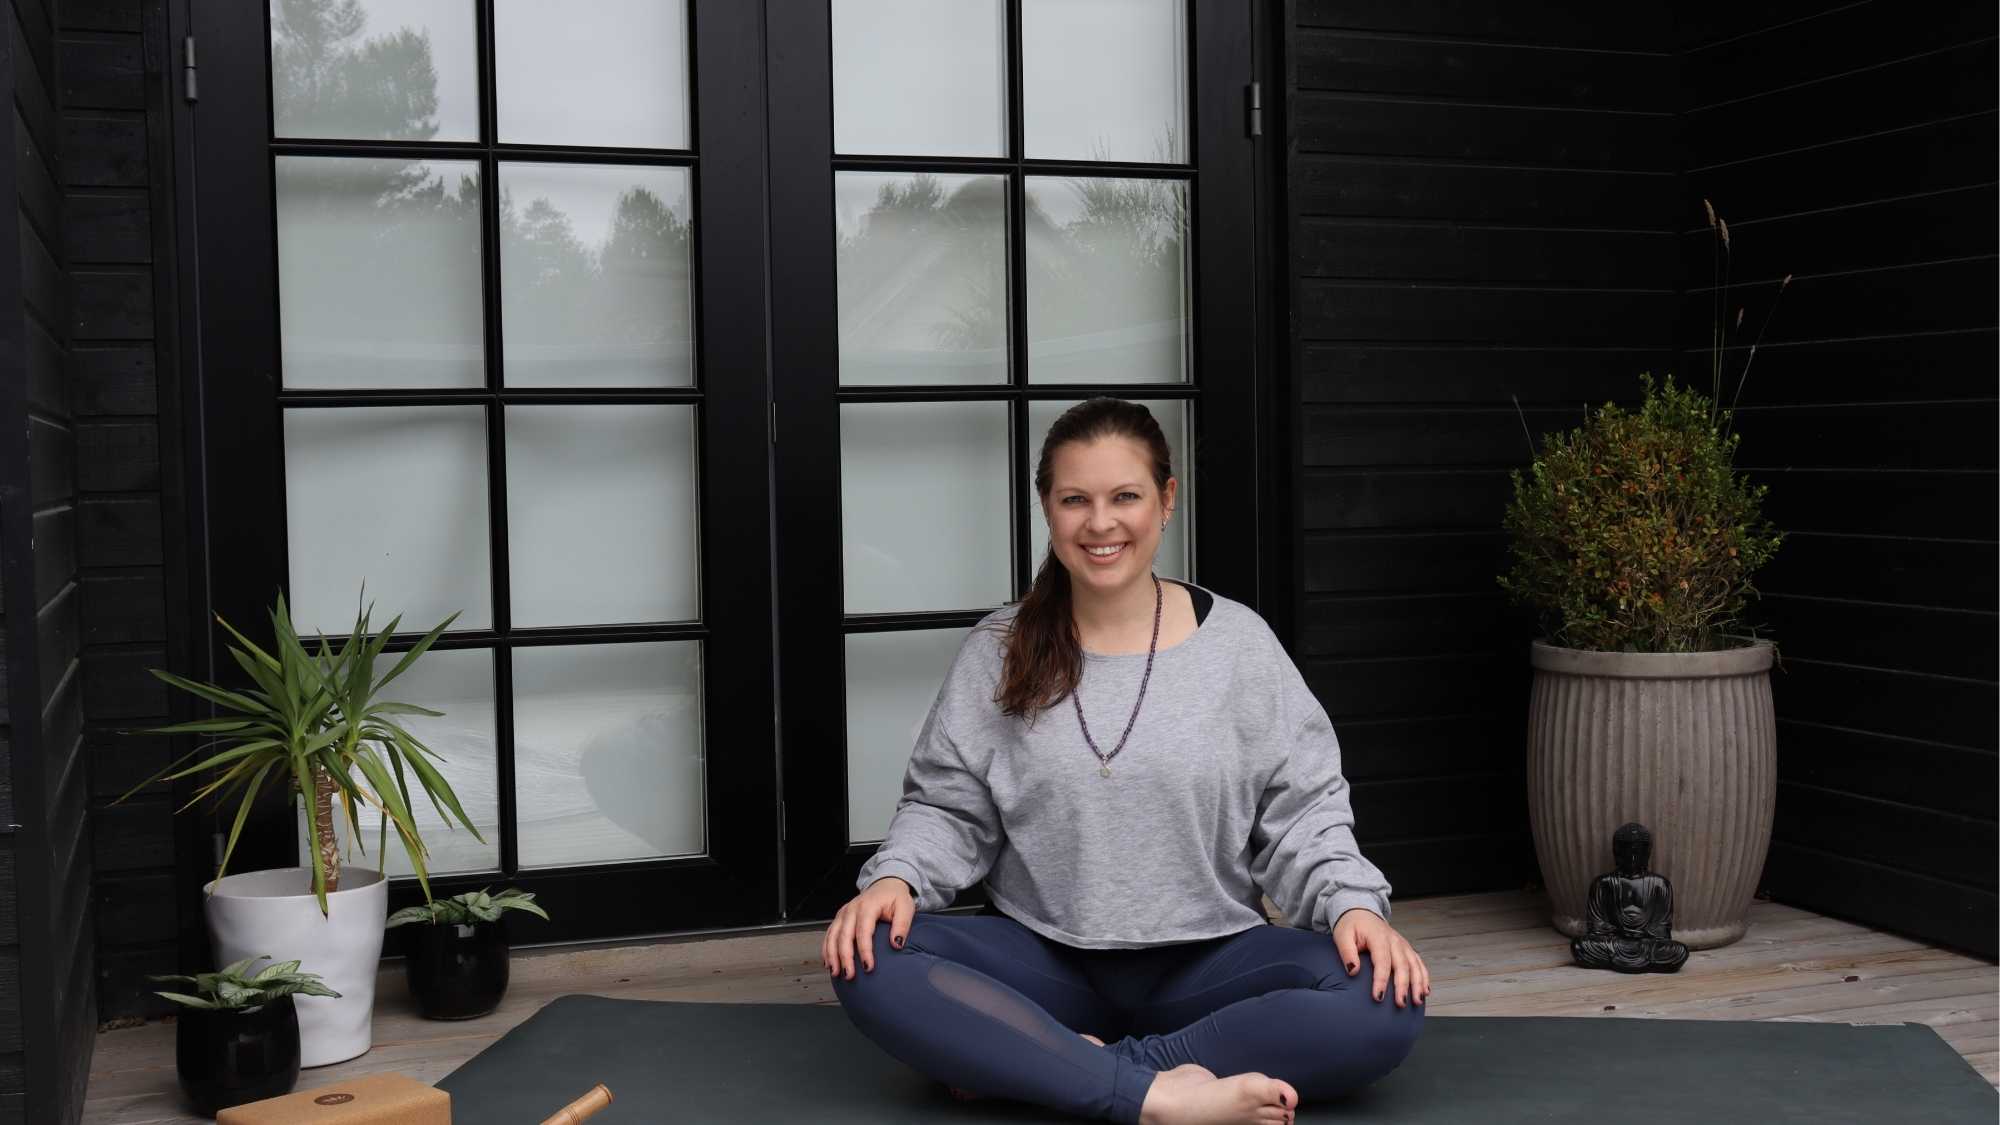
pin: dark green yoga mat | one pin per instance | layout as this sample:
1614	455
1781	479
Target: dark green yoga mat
668	1062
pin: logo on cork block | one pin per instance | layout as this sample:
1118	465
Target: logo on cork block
333	1099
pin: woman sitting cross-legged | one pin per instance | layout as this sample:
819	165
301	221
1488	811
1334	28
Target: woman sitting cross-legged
1126	763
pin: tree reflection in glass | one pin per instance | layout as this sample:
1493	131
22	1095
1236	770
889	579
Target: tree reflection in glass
378	272
1107	280
399	70
596	283
922	278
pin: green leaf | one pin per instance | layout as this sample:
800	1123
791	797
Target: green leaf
221	697
417	650
434	783
204	726
190	1001
242	813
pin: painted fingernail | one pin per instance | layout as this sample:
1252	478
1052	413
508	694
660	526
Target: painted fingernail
897	942
1283	1102
1351	966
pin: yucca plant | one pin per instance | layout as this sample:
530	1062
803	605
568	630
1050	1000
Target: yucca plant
472	906
314	724
234	987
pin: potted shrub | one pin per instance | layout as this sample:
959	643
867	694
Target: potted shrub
314	724
237	1038
1636	541
455	951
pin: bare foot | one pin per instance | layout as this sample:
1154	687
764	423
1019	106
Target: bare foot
1193	1095
969	1096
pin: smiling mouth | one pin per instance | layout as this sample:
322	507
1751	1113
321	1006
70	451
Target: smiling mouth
1108	554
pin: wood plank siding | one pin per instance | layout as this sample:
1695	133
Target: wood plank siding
1852	146
1490	208
47	977
119	221
1482	211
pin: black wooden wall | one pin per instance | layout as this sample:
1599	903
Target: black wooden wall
1482	202
117	177
1495	202
49	989
1853	146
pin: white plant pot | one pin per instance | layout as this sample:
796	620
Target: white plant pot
274	913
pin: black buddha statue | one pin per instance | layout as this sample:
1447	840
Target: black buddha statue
1631	913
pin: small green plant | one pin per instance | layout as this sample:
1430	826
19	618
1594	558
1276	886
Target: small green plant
315	725
472	906
1632	533
235	988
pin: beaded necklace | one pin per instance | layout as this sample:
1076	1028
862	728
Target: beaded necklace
1103	759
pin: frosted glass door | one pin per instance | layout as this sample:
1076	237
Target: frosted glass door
1011	198
492	403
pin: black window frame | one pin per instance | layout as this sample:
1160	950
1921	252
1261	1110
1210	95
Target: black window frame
1222	388
241	461
767	400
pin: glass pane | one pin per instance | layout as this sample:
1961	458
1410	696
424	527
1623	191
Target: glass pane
458	682
601	514
1104	80
923	506
892	679
595	276
1107	280
608	761
393	497
923	277
611	72
1173	559
375	70
922	77
378	273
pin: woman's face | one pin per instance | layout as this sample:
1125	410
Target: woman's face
1104	511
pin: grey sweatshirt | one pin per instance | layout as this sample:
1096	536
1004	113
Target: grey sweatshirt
1229	783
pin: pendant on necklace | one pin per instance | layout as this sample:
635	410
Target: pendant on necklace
1104	771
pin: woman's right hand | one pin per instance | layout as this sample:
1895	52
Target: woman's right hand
852	934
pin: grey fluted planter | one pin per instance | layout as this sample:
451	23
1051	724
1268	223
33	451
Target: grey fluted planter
1684	743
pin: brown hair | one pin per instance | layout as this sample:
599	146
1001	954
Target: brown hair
1044	658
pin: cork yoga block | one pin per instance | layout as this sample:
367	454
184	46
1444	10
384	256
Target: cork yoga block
373	1099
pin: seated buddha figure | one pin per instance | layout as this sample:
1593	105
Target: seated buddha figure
1630	917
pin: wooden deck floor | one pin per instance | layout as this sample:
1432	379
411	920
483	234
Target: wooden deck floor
1489	954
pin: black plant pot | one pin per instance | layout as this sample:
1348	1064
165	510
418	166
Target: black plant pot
230	1056
456	972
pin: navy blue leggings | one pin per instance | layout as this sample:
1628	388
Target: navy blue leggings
985	1004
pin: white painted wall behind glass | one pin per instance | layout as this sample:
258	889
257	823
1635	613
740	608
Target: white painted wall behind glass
1104	80
920	77
601	523
609	72
923	506
892	680
390	496
608	760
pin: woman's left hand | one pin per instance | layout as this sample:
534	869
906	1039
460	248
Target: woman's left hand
1396	962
